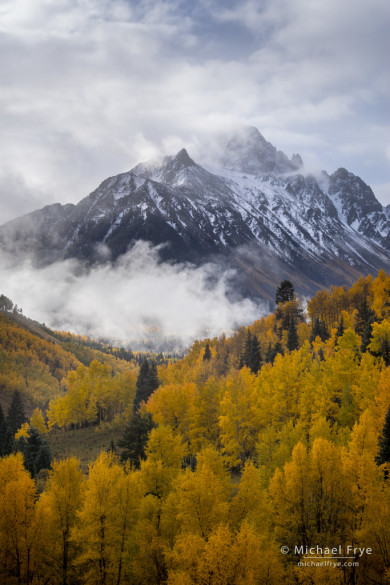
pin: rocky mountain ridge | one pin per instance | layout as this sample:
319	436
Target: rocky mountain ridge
255	213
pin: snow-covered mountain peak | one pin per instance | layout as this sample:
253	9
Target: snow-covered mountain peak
256	212
249	152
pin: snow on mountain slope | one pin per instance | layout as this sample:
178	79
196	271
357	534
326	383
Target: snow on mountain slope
256	213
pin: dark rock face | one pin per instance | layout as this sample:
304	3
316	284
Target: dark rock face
255	214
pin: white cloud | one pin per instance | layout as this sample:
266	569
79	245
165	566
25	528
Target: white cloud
91	88
137	300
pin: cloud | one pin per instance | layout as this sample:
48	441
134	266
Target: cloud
15	196
91	88
138	300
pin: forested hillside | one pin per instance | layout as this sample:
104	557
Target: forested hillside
258	459
30	364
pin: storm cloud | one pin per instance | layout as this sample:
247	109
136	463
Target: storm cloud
90	88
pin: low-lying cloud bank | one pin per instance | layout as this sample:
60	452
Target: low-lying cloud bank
138	301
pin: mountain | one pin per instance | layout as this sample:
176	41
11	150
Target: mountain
255	212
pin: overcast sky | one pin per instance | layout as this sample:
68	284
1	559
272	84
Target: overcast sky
89	88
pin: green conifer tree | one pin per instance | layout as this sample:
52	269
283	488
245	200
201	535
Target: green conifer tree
285	292
147	383
251	357
292	336
36	451
364	316
207	353
340	329
384	442
366	337
16	416
319	330
6	439
135	437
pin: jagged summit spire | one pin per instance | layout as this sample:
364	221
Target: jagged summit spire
183	160
249	152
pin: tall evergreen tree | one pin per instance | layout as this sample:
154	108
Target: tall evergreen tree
135	437
384	442
319	330
36	451
292	336
207	353
366	337
285	292
272	352
269	354
16	416
246	355
147	383
251	357
6	439
364	316
340	329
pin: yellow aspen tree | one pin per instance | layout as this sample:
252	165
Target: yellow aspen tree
21	524
99	530
366	382
165	452
360	464
237	423
202	501
290	495
156	527
23	431
183	560
38	421
257	559
374	532
330	494
150	544
170	405
380	340
60	502
380	290
249	503
204	415
217	564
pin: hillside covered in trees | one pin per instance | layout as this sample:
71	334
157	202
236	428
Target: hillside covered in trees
261	458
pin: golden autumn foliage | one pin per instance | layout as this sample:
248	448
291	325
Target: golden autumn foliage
30	364
238	466
93	394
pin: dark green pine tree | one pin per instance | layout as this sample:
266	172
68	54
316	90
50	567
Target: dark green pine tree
364	316
246	355
255	362
385	350
269	354
251	357
278	348
153	382
36	451
366	337
207	353
292	336
384	442
319	330
147	383
16	416
6	439
272	352
135	437
340	329
285	292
